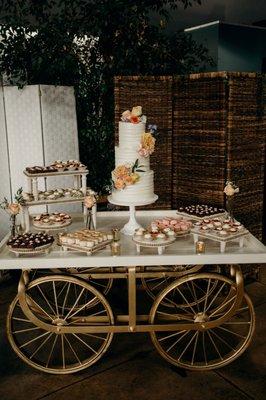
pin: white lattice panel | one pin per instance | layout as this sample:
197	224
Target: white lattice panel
60	134
23	120
41	127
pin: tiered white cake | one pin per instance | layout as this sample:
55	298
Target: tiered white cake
127	154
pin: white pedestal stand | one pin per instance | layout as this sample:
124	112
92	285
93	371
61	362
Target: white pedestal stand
130	227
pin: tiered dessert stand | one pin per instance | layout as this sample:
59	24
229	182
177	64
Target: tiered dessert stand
33	179
131	226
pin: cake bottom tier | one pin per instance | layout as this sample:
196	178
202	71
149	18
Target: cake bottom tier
143	190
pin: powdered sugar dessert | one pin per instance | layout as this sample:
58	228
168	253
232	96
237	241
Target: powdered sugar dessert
133	180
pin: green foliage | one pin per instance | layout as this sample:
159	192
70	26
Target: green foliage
86	43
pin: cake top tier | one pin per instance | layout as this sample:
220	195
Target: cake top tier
134	116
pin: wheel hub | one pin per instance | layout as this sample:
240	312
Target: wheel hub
201	317
59	322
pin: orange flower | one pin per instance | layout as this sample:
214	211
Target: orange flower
13	208
134	119
128	180
119	184
121	171
89	201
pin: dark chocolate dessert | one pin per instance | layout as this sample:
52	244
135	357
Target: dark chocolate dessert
30	240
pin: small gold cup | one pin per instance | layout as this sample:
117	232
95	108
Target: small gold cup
116	248
116	234
200	247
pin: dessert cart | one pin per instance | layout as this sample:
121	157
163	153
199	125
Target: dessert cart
200	318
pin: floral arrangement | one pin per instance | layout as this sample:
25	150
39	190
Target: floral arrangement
126	175
230	189
134	116
90	199
147	144
13	209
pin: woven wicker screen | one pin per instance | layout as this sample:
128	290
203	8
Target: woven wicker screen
212	128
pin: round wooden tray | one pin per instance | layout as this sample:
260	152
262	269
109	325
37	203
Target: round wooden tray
31	252
51	227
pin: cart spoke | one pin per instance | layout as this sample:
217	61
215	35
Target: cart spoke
66	296
177	341
39	307
34	340
222	306
76	302
94	282
63	351
73	351
95	336
183	296
204	348
169	336
222	340
177	306
55	300
207	295
214	345
215	296
177	316
22	320
46	300
41	345
232	332
187	346
61	291
194	348
85	344
26	330
51	351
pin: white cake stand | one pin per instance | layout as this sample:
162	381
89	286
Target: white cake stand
132	224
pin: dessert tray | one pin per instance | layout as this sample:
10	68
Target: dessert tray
220	230
56	167
52	221
200	211
30	244
159	244
85	240
52	195
179	225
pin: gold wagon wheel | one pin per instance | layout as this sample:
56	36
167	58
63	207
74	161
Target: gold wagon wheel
103	285
202	349
155	285
58	353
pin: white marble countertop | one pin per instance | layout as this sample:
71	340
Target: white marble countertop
182	252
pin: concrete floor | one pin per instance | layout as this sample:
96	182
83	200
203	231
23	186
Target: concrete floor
132	369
